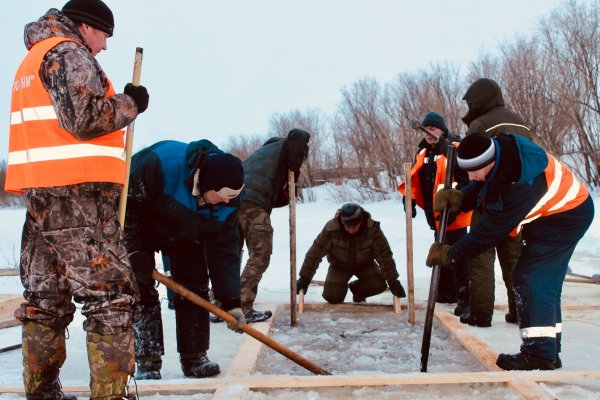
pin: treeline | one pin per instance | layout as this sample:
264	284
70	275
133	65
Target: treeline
550	77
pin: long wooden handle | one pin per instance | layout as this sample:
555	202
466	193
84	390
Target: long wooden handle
137	72
194	298
409	243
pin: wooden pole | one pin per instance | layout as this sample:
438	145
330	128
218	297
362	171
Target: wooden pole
137	72
301	302
225	316
292	195
435	273
409	243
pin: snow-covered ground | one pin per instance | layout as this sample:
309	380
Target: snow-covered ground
581	330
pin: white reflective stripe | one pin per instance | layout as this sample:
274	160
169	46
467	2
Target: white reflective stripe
32	114
559	328
571	194
552	190
538	331
506	124
64	153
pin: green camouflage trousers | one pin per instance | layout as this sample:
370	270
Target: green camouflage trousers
257	231
481	274
72	248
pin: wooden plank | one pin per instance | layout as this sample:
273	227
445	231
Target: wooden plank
527	389
8	305
318	381
244	361
9	323
9	272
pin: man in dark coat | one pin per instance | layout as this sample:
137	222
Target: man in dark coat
182	201
488	114
265	188
355	246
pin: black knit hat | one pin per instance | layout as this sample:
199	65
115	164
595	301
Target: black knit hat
92	12
475	152
220	171
351	214
436	120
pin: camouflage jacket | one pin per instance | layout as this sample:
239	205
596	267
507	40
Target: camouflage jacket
76	82
350	251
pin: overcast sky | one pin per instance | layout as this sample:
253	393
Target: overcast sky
220	68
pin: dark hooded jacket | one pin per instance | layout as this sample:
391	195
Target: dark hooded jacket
487	113
76	82
266	170
350	252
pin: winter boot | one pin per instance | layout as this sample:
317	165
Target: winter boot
112	363
257	316
523	362
461	309
475	319
557	362
148	368
44	353
511	317
357	297
214	319
198	365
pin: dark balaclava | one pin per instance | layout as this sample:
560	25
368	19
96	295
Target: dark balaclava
92	12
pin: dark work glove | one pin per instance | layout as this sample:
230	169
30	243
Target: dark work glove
451	198
396	288
439	254
414	206
142	264
139	95
302	284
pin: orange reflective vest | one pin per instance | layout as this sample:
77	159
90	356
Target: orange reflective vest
40	152
463	219
565	192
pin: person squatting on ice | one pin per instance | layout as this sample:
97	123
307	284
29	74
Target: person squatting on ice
518	186
355	246
427	175
66	154
183	201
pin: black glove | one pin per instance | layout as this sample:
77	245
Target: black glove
396	288
451	198
142	264
139	95
439	254
302	284
414	206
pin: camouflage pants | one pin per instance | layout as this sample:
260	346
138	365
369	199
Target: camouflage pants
257	231
72	249
481	273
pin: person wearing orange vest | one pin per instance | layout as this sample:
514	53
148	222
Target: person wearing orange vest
518	186
67	156
427	176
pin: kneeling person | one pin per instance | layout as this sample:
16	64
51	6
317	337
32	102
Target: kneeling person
355	246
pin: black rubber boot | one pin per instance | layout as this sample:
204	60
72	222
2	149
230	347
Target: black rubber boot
557	362
461	309
474	319
511	317
523	362
198	366
148	369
